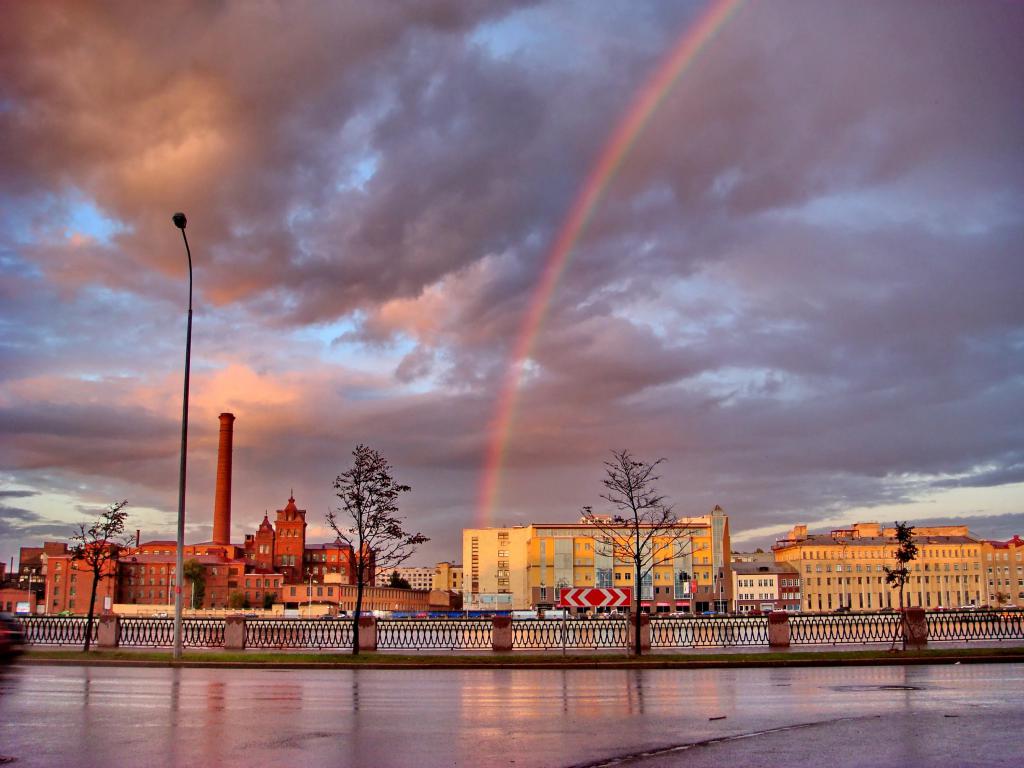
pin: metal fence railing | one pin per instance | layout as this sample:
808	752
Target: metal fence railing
56	630
195	633
549	633
965	626
148	632
536	634
709	632
417	634
298	633
835	629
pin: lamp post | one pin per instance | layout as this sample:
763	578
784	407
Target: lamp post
180	221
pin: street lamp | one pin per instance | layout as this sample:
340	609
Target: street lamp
180	221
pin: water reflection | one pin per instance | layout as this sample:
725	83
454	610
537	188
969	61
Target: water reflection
636	689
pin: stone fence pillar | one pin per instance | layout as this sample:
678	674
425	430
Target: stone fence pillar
367	633
778	629
915	627
501	633
645	632
234	633
108	633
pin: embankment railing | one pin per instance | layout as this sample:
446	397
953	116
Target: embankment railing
772	631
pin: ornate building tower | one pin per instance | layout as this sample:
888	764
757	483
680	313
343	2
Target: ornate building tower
290	541
263	549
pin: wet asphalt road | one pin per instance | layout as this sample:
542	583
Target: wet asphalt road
898	716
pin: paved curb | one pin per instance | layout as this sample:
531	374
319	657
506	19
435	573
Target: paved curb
893	660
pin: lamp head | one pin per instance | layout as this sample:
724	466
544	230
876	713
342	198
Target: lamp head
179	220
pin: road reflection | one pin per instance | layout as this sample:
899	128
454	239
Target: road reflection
432	717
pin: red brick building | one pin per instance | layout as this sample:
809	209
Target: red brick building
148	579
259	548
281	547
69	583
262	589
322	559
284	542
14	600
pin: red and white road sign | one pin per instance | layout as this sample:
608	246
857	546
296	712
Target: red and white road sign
595	597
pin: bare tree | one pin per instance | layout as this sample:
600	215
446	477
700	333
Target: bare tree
642	529
906	551
97	547
367	520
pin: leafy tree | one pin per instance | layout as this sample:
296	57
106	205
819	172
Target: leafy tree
97	547
398	582
1002	598
268	600
237	599
367	520
906	552
642	529
194	571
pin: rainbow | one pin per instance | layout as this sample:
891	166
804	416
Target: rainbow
644	105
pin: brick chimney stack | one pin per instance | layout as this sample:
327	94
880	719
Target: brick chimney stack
222	498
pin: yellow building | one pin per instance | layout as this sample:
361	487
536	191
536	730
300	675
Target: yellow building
524	567
844	569
1003	563
447	577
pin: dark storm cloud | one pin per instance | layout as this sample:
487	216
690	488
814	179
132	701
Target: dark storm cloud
22	525
801	287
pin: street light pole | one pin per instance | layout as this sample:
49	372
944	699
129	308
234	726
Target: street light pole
180	221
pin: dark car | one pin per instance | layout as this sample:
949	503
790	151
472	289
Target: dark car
12	640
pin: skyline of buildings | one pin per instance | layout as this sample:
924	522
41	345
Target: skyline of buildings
523	567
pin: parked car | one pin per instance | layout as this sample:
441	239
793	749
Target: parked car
12	640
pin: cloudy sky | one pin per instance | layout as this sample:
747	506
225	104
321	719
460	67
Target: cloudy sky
802	287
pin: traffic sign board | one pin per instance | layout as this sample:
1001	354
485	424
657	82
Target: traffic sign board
595	597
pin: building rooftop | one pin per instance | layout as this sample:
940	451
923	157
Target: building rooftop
1016	541
202	559
828	540
752	569
336	544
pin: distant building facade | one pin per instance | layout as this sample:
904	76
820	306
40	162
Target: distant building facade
1003	562
765	587
447	576
69	583
525	567
419	577
845	568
